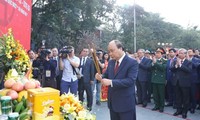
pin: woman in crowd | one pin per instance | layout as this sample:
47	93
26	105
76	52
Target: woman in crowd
104	89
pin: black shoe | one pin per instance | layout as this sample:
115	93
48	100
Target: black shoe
184	115
168	104
177	113
144	105
174	106
139	103
198	108
98	103
192	111
155	108
89	108
161	110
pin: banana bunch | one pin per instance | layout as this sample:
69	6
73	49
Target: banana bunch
22	108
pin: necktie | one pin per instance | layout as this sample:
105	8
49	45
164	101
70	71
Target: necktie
57	65
116	67
171	62
83	61
181	62
140	60
82	64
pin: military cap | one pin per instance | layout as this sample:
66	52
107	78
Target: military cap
147	51
161	50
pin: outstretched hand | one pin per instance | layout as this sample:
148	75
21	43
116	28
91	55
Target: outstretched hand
98	76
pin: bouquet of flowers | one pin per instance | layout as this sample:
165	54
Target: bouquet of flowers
12	55
72	109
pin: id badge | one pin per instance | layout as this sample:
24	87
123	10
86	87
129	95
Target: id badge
48	73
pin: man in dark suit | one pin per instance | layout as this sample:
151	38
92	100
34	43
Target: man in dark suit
142	78
87	77
194	78
149	85
120	76
182	68
169	76
58	71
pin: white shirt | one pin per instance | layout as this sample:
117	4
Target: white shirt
68	73
120	60
83	59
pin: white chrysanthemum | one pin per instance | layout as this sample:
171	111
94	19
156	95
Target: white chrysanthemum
82	113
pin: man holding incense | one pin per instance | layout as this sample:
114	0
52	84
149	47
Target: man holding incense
120	76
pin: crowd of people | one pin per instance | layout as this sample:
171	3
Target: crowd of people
171	79
63	70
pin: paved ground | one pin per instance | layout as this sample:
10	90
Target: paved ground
102	113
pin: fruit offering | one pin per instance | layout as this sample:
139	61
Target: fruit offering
21	107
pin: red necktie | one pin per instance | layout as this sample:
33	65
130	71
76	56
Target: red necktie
116	67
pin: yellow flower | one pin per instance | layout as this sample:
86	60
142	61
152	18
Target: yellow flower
9	56
71	106
14	55
13	45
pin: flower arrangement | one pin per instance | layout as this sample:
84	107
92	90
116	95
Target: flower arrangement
72	109
12	55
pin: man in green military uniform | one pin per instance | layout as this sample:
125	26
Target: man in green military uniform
158	79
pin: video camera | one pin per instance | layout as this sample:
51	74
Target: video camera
44	53
99	52
65	51
38	64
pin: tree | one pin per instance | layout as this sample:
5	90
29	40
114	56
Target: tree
151	29
64	22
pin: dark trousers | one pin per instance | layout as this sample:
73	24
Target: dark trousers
198	94
130	115
66	86
159	95
50	82
170	93
149	90
58	80
182	98
88	88
194	91
142	91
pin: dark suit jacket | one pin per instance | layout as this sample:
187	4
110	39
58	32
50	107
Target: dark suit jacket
169	74
144	68
88	70
194	74
182	74
121	96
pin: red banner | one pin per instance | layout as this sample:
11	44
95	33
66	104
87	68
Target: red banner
16	14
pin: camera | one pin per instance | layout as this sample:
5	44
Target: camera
65	51
38	64
44	53
99	52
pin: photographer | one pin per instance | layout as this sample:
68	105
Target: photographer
68	63
45	69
